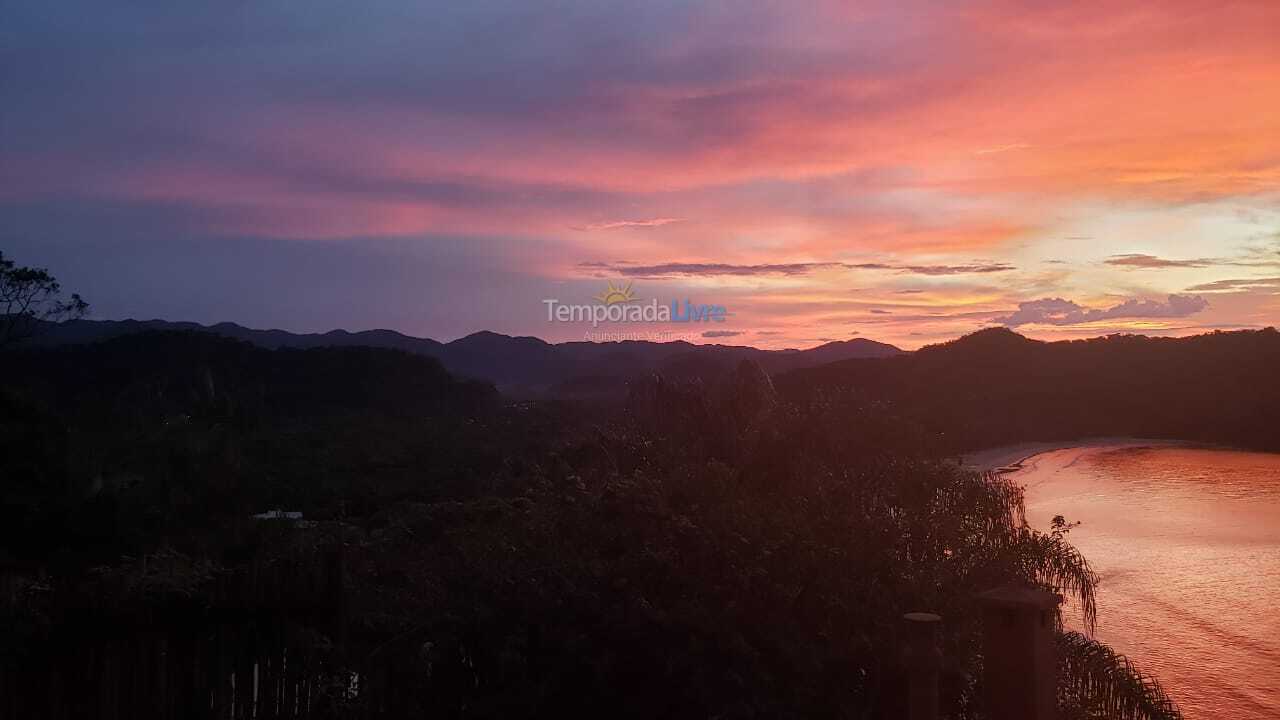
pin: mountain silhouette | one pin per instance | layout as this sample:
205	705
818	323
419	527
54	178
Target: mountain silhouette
995	387
513	364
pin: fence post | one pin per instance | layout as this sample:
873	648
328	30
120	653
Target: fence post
1019	665
923	660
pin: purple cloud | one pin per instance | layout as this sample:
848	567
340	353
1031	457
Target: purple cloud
1137	260
1057	311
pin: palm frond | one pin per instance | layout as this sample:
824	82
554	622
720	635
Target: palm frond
1095	682
1052	561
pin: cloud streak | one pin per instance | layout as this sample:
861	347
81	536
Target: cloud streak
619	224
1001	149
1238	285
669	270
1152	262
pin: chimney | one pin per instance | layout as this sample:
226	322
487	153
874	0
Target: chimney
1019	666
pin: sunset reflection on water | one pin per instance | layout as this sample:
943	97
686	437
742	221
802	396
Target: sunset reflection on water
1187	542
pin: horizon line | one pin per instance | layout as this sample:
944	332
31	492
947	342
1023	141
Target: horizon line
1207	331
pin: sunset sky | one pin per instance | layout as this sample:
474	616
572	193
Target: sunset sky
900	171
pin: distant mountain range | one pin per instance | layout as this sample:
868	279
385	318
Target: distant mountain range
989	388
511	363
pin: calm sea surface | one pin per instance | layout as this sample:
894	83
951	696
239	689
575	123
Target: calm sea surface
1188	545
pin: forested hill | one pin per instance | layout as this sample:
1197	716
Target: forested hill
156	374
179	431
995	387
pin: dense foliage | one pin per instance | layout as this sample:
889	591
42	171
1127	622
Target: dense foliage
708	550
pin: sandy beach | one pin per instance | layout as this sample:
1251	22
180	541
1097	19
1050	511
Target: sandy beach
1011	457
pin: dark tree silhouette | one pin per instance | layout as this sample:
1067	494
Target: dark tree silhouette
31	296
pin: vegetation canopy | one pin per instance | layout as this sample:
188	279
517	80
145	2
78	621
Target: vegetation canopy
441	551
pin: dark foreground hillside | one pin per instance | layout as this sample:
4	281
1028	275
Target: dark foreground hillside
705	551
996	387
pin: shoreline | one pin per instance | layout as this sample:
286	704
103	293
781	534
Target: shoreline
1010	458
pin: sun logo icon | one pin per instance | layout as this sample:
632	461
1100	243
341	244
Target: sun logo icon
616	294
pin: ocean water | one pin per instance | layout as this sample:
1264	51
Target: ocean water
1187	542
